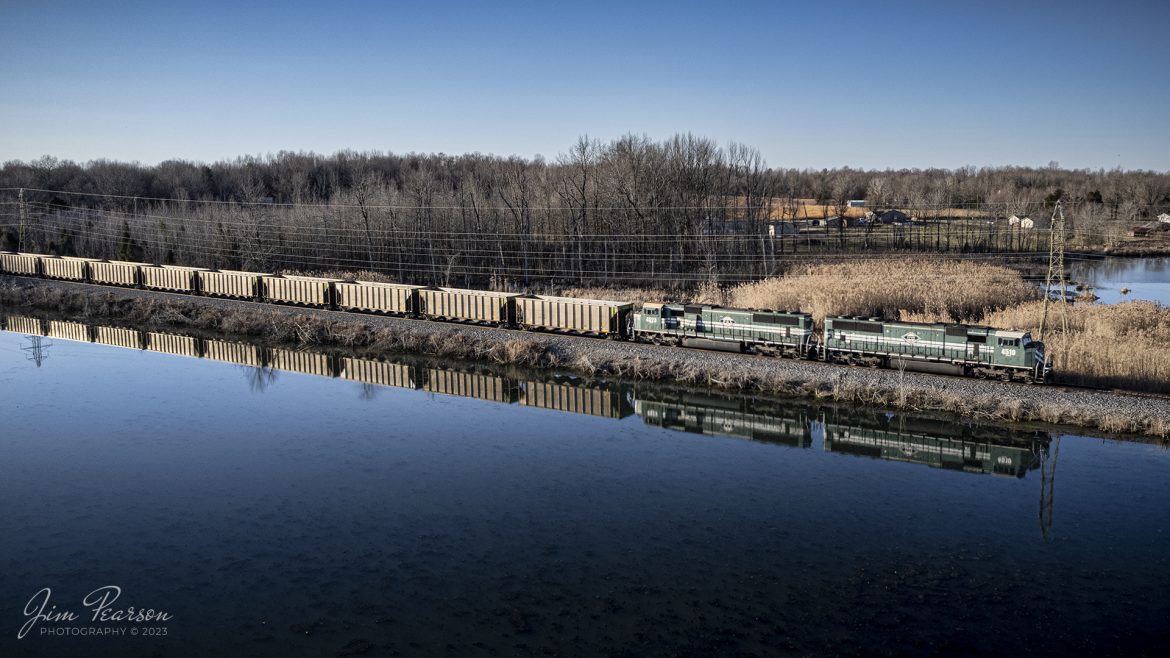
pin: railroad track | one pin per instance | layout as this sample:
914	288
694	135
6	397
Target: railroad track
448	324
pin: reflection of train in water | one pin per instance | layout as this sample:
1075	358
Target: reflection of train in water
737	417
568	394
940	444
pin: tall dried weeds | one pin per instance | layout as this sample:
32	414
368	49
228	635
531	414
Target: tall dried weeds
1115	345
943	290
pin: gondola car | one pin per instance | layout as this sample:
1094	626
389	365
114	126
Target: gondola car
461	305
66	268
20	264
586	316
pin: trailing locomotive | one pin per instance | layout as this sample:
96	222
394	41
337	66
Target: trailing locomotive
953	349
703	325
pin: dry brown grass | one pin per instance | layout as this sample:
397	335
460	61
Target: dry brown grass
1117	345
345	275
638	296
938	290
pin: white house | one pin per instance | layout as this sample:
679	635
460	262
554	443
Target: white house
1164	218
782	229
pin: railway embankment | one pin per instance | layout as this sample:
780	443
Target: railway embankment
369	335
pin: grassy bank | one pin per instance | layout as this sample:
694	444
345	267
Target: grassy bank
373	338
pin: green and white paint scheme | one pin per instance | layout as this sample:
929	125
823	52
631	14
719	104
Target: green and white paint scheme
972	348
1001	457
769	330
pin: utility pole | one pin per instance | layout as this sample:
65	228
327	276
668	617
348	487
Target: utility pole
1055	271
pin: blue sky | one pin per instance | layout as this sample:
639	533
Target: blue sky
867	84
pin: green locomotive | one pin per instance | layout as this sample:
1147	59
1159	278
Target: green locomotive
954	349
704	325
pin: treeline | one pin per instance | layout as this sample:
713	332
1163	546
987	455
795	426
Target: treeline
631	210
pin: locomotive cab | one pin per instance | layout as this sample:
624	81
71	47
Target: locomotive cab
1035	355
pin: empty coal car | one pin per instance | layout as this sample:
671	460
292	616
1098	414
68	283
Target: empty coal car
586	316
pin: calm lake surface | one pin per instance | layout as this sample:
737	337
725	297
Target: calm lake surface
284	514
1146	278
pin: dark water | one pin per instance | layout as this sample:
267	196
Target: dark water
1145	278
276	513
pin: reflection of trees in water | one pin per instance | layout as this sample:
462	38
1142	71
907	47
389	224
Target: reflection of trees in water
259	379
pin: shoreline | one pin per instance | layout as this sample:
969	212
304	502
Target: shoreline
374	336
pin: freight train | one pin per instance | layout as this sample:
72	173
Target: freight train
948	348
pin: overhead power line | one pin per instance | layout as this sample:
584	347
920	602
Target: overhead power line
645	205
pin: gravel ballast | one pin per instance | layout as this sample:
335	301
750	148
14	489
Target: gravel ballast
1109	411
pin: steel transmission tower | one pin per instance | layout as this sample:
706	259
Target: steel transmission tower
1055	271
20	246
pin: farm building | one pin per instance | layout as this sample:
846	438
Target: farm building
1164	218
857	203
889	217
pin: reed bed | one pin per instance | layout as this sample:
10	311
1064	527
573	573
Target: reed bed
945	290
1114	345
638	296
